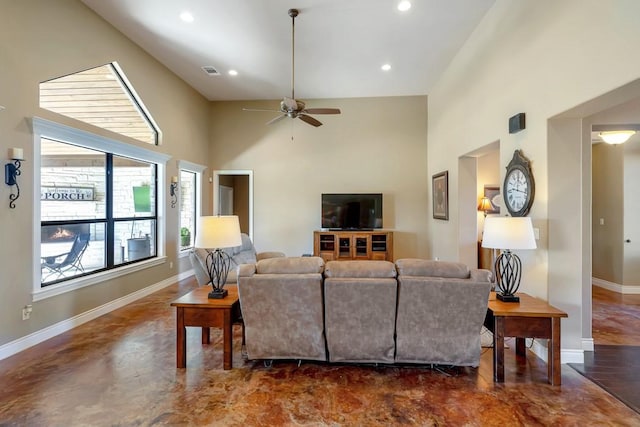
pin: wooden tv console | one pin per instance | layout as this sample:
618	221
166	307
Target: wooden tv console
353	245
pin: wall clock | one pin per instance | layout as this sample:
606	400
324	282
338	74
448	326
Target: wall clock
519	186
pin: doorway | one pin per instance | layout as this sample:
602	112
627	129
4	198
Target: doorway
233	195
477	169
570	222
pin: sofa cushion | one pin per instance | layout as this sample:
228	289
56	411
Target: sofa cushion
430	268
245	246
360	269
290	265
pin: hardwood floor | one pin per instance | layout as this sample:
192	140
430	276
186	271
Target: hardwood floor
615	363
120	370
616	318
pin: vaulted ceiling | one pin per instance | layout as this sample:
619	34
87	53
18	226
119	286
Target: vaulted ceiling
340	45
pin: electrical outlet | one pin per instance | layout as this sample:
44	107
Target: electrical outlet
26	312
171	264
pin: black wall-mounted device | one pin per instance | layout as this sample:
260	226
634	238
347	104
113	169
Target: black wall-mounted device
516	123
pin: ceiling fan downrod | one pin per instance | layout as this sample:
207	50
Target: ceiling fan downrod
293	13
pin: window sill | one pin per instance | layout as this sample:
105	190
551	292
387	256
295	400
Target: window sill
82	282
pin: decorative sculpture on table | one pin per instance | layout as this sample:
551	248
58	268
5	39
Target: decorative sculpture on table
214	233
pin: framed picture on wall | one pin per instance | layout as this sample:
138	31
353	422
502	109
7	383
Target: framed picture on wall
492	192
440	191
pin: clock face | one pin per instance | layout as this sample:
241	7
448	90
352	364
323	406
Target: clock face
516	190
519	187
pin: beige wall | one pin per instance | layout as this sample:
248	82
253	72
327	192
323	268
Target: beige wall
375	145
541	58
42	39
241	200
608	206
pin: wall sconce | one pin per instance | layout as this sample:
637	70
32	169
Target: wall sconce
12	172
173	190
485	205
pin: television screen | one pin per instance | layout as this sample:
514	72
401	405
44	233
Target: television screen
352	211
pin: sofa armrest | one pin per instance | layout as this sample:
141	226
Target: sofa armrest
481	275
270	254
197	258
246	270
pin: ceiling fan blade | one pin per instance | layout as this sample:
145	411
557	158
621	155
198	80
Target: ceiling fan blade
277	119
259	109
322	110
310	120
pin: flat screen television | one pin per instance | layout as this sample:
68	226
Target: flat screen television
352	211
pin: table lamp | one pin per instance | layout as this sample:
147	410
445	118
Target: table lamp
213	233
507	233
485	205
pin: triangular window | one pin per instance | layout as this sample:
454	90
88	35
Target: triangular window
102	97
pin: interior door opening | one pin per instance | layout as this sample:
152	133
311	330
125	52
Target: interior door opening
233	195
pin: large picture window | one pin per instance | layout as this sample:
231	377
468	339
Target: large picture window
98	203
102	97
98	210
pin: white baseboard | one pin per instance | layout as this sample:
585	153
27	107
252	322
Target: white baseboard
588	344
616	287
13	347
566	355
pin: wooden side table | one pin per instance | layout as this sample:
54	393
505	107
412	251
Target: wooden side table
195	309
530	318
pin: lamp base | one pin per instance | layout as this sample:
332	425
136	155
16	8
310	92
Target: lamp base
218	294
507	298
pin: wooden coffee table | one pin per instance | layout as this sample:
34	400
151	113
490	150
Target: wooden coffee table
530	318
195	309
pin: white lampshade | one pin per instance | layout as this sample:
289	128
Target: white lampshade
616	136
507	232
215	232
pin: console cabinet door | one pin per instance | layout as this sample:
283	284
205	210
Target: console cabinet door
358	245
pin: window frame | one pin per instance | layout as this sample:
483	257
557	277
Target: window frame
198	170
43	128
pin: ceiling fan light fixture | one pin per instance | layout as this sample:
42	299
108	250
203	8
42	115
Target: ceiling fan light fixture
404	5
290	106
616	136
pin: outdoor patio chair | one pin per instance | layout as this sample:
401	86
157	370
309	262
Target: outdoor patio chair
57	265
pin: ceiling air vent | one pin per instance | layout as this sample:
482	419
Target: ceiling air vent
210	70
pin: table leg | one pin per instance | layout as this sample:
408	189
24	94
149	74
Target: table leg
498	349
181	339
227	338
521	349
553	354
206	336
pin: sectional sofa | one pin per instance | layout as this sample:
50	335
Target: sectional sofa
414	311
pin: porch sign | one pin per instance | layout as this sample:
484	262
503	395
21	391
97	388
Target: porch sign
67	194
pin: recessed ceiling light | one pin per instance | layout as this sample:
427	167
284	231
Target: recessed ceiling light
404	5
186	16
233	73
386	67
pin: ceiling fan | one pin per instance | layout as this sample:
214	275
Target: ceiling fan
291	107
